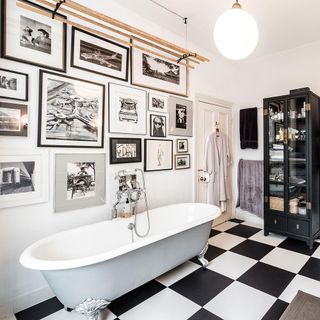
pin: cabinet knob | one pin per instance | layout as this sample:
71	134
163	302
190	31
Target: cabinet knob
298	226
275	221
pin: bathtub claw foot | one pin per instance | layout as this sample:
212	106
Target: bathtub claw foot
201	257
91	308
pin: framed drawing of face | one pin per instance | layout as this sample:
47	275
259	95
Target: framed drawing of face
180	117
158	125
182	145
95	54
13	85
32	38
182	161
127	109
123	150
71	112
158	102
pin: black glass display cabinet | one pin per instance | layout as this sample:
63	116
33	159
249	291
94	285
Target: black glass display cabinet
292	165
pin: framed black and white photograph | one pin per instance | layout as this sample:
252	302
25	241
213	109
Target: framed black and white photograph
158	102
71	112
182	145
125	150
32	38
158	154
95	54
180	117
182	161
158	125
22	180
127	109
79	181
13	85
13	119
150	71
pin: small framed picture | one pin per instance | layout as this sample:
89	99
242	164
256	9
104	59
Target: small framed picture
71	112
95	54
182	145
23	179
123	150
158	125
127	109
13	85
32	38
13	119
182	161
180	116
158	154
79	181
158	102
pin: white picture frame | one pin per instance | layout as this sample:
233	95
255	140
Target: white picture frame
13	85
157	102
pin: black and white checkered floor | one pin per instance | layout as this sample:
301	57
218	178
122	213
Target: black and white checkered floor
249	277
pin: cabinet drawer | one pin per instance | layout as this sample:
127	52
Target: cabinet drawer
299	227
276	222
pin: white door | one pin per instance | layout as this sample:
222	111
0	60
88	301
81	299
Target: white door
208	113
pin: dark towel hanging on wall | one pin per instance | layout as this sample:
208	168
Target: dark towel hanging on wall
248	128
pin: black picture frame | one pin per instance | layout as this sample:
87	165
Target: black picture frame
124	141
26	85
4	53
158	132
74	65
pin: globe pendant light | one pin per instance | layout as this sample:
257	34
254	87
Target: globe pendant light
236	33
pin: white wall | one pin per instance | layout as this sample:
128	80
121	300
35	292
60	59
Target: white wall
21	226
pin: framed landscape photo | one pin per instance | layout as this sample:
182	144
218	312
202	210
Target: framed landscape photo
158	125
182	145
23	179
150	71
180	117
158	102
32	38
13	85
71	112
127	109
123	150
13	119
79	181
95	54
182	161
157	154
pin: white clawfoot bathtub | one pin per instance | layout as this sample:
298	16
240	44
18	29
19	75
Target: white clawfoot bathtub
90	266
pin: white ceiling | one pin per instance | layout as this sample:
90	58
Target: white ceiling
283	24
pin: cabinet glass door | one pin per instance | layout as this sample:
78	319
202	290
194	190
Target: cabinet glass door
297	162
276	155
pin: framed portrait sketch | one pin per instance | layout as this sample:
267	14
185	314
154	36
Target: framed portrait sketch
157	154
180	117
182	161
13	85
79	181
23	178
158	125
71	112
150	71
127	109
13	119
158	102
123	150
95	54
32	38
182	145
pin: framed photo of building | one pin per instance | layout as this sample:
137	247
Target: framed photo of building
158	102
182	145
150	71
158	154
123	150
71	112
79	181
32	38
13	119
180	117
22	178
95	54
127	109
182	161
158	125
13	85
